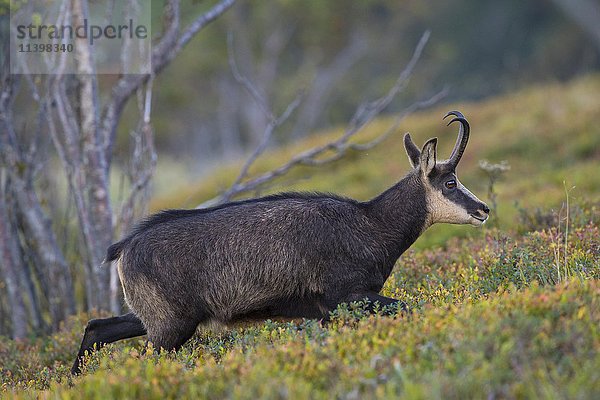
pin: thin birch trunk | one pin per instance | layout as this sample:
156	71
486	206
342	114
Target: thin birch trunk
9	271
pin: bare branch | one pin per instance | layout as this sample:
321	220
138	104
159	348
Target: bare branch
11	155
162	54
71	154
274	121
202	21
143	159
41	238
317	156
141	170
399	118
325	81
367	111
245	82
10	265
227	195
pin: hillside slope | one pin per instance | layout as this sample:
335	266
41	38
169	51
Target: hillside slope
547	134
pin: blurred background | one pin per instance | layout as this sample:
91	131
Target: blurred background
342	53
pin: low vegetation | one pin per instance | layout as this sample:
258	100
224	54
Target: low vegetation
492	316
513	310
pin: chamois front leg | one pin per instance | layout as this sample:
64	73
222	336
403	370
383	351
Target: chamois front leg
378	302
100	332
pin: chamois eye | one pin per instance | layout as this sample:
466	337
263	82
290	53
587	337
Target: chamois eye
451	184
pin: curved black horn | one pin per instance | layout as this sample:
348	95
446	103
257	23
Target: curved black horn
463	137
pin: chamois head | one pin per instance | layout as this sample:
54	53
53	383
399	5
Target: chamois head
447	199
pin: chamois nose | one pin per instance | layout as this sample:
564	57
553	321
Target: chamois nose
486	209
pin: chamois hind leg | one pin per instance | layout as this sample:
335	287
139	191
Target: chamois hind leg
172	335
99	332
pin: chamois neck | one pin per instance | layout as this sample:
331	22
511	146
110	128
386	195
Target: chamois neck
400	213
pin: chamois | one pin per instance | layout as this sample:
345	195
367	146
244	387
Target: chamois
285	255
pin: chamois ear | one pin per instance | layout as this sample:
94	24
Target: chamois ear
428	156
412	150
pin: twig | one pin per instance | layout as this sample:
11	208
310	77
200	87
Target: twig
367	111
364	114
324	82
203	20
245	82
274	121
140	172
162	54
399	118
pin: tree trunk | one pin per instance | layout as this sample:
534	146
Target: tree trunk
83	137
97	207
37	230
9	270
42	241
26	274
